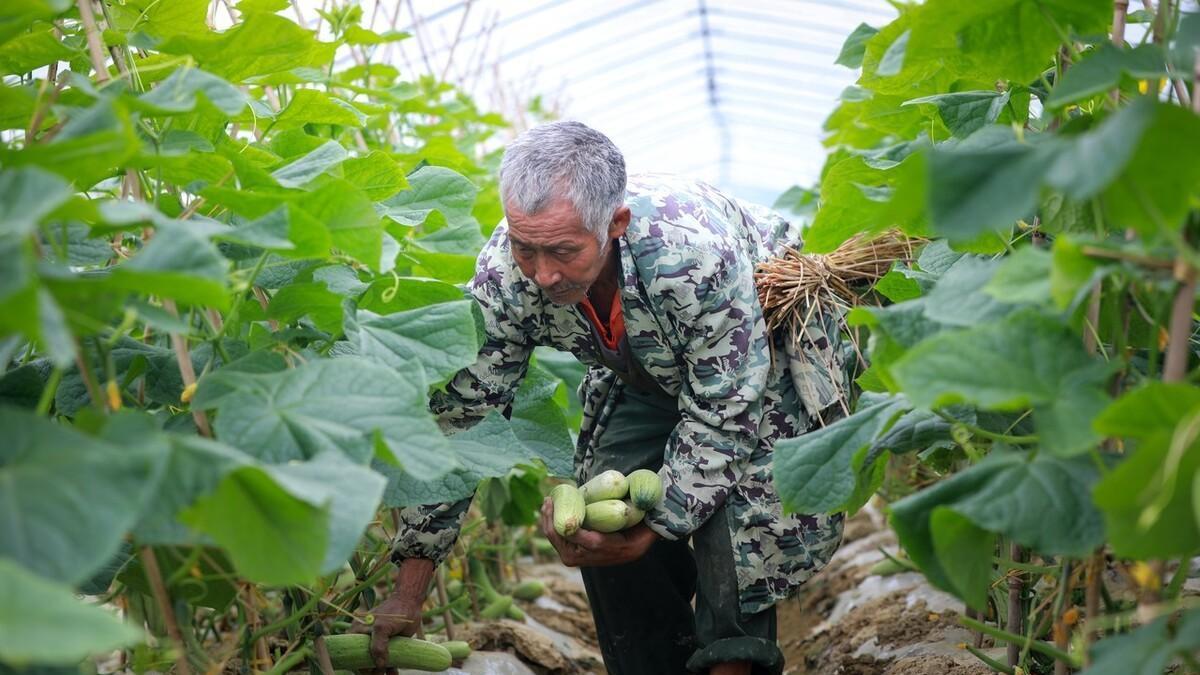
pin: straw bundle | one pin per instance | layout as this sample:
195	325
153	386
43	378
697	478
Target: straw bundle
795	285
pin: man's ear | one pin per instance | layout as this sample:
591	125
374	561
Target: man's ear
620	222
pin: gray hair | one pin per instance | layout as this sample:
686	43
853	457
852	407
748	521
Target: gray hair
565	159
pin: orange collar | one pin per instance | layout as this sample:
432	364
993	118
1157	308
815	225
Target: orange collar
611	331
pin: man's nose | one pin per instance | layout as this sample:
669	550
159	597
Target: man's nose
546	277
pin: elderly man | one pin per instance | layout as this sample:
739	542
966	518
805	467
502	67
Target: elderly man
651	284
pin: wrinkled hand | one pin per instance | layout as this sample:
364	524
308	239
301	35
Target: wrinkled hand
596	549
397	615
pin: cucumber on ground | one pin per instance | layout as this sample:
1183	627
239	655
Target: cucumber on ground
529	590
352	652
610	484
497	608
645	489
608	515
568	509
458	649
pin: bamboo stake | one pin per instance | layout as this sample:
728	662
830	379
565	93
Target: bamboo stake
95	45
159	589
1180	329
1016	589
186	370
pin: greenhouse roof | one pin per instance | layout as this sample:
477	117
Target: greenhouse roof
730	92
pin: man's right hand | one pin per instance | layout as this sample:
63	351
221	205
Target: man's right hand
392	617
400	614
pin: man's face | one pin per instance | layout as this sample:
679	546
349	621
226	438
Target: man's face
556	251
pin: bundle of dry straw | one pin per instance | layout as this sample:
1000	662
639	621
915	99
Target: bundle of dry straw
794	286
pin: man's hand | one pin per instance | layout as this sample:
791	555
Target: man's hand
596	549
400	614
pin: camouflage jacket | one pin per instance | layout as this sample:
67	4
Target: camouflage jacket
695	325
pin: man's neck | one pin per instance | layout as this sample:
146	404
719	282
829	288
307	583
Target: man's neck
608	281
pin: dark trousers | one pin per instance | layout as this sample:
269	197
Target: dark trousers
643	609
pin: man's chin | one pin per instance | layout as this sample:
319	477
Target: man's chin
567	298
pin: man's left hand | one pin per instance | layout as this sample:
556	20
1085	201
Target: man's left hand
586	548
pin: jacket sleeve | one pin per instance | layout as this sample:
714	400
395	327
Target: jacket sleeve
709	300
429	531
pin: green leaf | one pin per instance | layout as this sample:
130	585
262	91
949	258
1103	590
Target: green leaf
1150	410
981	189
271	536
41	622
357	35
438	340
181	263
309	106
17	15
68	498
89	147
386	296
1186	40
813	473
893	57
351	491
896	287
966	112
538	422
488	449
16	106
1043	503
1157	186
1026	359
27	195
181	92
160	19
348	215
1147	499
346	404
32	51
1148	650
958	298
260	45
855	46
433	188
302	171
966	552
1023	277
1103	68
307	299
377	174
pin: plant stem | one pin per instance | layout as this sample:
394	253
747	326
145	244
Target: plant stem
1095	567
47	397
1012	638
323	661
159	589
1016	588
1062	632
984	433
443	599
1180	328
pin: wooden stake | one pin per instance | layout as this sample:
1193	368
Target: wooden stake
1016	618
95	45
444	601
159	589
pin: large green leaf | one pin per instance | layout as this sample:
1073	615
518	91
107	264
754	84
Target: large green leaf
42	622
1149	649
348	404
351	492
813	472
1043	503
161	19
1026	359
26	196
17	15
376	174
69	499
855	46
309	106
538	421
1103	70
180	262
349	217
1148	499
182	90
271	536
260	45
32	51
433	188
90	146
965	112
438	340
966	551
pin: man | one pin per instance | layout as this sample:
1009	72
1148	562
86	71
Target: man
650	284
